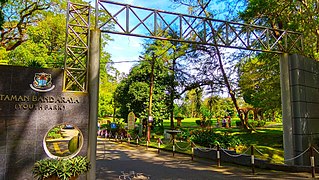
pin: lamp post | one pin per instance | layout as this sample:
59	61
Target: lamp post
172	93
150	118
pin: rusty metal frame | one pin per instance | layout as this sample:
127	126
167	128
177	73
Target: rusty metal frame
154	23
77	48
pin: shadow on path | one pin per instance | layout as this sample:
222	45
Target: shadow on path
114	158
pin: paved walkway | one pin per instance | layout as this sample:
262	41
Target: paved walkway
114	158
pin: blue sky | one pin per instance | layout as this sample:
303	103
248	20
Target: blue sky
126	48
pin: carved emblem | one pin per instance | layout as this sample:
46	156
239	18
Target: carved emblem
42	82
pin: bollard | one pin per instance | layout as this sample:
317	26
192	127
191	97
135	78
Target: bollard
173	147
121	139
146	145
312	161
129	140
252	159
158	145
192	151
137	142
218	156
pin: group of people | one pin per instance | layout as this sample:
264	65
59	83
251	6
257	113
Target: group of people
116	133
226	122
103	132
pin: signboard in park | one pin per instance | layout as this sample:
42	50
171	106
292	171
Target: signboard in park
131	120
113	126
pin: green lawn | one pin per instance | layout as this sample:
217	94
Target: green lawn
267	140
187	122
191	122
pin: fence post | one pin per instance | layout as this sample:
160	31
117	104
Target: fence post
146	145
192	150
252	159
312	161
129	140
173	147
158	145
218	155
137	141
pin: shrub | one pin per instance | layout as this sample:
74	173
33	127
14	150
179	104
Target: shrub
61	168
238	123
259	123
185	134
208	123
54	133
209	138
198	122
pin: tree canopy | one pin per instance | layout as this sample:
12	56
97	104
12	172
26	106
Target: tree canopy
300	16
33	33
259	75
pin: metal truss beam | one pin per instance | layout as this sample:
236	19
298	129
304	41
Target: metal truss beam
77	48
150	23
124	19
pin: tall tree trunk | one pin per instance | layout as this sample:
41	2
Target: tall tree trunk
230	91
221	65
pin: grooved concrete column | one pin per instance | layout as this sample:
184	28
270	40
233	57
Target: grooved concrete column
94	75
286	108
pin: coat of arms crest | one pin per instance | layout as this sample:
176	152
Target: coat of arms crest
42	82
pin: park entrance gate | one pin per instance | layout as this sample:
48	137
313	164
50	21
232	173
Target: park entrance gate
81	70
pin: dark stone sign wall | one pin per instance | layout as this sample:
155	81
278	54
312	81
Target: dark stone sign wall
27	115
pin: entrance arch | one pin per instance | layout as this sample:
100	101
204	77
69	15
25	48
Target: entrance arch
215	33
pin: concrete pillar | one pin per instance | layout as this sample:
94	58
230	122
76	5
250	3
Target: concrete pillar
94	75
286	108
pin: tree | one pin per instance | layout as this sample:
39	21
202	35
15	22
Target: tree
132	93
263	69
190	100
2	2
108	84
45	44
259	82
33	33
19	16
220	107
212	53
300	16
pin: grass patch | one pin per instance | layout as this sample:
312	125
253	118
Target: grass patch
191	122
267	140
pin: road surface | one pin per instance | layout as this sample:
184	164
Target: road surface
115	159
